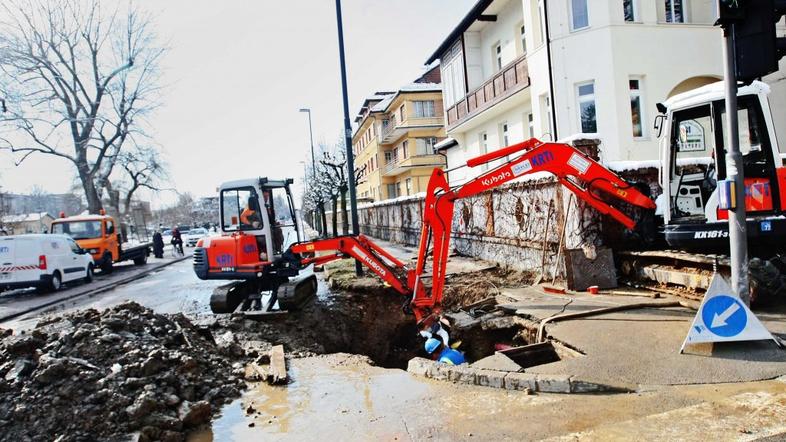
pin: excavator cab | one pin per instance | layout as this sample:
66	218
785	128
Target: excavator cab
693	149
263	209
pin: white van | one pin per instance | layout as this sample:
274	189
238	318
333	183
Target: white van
42	261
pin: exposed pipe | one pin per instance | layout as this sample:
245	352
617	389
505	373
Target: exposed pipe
604	310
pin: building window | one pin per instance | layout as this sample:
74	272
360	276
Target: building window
408	185
586	93
424	109
505	141
392	190
629	9
531	125
401	114
425	146
484	149
674	11
547	115
636	108
498	56
404	149
523	38
388	157
541	22
579	14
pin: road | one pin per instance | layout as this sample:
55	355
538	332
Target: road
172	289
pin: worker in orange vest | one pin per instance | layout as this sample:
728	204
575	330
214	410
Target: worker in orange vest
249	216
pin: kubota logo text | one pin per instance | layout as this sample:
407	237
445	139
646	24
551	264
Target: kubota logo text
371	263
503	175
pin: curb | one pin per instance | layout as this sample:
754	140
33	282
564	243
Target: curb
95	291
513	381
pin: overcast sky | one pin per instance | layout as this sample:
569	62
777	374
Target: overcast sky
237	73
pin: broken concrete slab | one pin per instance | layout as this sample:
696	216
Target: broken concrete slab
419	366
462	374
554	384
278	365
498	362
490	378
579	385
521	382
514	381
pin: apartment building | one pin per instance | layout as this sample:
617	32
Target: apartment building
394	143
514	69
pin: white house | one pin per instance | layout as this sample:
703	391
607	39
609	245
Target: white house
513	69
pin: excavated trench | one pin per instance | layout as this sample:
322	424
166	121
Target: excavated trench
374	324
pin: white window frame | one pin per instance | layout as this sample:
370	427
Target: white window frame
408	186
586	98
635	6
504	134
572	16
642	114
421	108
531	124
523	38
497	53
684	11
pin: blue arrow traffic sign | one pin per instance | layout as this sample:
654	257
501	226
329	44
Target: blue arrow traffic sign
724	315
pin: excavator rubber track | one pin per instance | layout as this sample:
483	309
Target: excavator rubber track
247	298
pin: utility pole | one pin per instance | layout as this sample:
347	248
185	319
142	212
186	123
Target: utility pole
353	203
738	239
313	161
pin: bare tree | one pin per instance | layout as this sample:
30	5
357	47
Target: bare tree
139	168
79	82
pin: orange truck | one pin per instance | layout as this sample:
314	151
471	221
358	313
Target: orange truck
103	238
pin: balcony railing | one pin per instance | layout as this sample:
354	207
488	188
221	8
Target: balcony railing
511	79
395	129
397	166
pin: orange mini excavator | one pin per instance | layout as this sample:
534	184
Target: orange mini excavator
257	252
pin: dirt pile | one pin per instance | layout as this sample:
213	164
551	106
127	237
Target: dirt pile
99	375
463	289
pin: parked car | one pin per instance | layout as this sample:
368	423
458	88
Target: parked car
195	235
42	261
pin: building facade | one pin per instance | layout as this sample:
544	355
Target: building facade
394	143
515	69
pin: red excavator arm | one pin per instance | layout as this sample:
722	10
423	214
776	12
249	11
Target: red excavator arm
575	170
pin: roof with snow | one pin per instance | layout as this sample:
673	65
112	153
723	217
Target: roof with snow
26	217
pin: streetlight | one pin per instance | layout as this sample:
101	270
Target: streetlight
313	161
353	203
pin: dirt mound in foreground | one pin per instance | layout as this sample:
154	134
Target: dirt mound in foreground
99	375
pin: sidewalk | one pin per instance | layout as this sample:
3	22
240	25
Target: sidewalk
642	346
19	302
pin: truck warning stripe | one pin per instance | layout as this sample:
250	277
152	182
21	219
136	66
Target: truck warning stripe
14	268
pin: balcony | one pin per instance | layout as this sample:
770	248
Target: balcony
512	78
394	168
395	130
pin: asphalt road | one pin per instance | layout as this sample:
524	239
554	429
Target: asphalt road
172	289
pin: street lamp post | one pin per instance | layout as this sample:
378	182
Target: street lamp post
348	133
313	160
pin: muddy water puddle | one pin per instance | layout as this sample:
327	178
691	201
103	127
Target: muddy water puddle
341	397
331	396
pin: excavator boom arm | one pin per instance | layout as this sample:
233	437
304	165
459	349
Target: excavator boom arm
575	170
